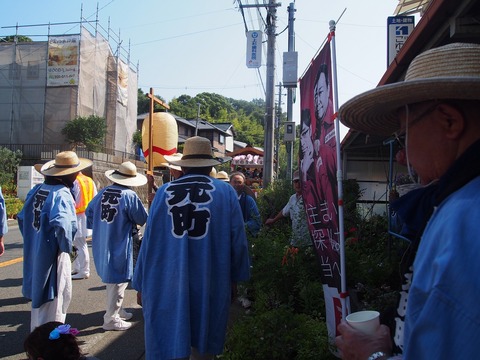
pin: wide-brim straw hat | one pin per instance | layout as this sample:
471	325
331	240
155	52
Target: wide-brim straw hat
197	152
126	175
176	156
222	175
38	167
65	163
447	72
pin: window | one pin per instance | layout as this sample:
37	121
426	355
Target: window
221	139
33	71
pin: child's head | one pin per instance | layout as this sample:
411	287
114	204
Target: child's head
52	340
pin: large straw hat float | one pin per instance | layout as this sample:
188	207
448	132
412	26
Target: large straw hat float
447	72
126	175
197	152
65	163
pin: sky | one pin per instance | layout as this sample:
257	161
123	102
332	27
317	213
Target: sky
191	46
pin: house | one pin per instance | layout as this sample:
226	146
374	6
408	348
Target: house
367	158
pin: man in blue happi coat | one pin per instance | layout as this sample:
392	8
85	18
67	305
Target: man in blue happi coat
194	251
48	224
113	215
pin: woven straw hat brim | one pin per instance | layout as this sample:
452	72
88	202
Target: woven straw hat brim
447	72
170	166
194	163
375	111
137	180
49	168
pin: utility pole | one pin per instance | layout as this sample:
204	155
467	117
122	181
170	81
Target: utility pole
270	94
277	127
290	90
270	89
198	116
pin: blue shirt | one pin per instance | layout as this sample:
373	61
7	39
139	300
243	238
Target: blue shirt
48	224
3	215
250	212
112	214
443	315
193	248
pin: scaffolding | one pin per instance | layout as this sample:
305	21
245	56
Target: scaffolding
79	72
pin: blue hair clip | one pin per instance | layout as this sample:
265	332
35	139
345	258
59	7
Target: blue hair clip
62	329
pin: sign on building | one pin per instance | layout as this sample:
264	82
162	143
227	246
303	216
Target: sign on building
399	28
62	67
254	49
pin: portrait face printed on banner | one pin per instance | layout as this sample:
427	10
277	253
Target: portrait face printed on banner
321	92
306	156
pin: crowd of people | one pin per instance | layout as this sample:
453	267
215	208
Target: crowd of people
187	281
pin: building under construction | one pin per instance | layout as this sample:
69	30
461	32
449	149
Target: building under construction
44	84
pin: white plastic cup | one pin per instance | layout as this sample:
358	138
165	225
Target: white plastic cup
366	321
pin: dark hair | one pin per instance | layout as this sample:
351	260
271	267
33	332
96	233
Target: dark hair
323	69
38	345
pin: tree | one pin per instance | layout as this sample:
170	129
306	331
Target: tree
88	131
11	38
9	161
143	103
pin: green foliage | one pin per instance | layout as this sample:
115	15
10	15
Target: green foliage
143	103
9	161
88	131
137	138
11	38
287	316
247	117
278	334
13	206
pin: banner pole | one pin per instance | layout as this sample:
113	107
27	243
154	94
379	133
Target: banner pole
343	274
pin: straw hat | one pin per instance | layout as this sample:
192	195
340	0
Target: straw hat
176	156
65	163
447	72
197	152
126	175
38	167
222	175
213	173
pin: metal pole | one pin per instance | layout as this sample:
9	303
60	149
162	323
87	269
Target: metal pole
343	273
278	126
270	96
290	91
198	115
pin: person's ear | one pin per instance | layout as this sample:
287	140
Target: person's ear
451	120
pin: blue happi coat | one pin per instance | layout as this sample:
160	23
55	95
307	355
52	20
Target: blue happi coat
3	215
193	248
112	214
48	224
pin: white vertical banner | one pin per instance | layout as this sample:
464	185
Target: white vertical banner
254	48
122	83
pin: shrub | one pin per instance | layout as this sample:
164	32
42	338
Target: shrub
13	206
9	161
278	334
287	316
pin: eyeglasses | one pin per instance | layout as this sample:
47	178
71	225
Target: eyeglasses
296	181
401	136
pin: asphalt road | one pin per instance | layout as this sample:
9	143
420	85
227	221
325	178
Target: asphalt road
85	312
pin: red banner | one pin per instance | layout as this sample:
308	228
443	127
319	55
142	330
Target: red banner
318	168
